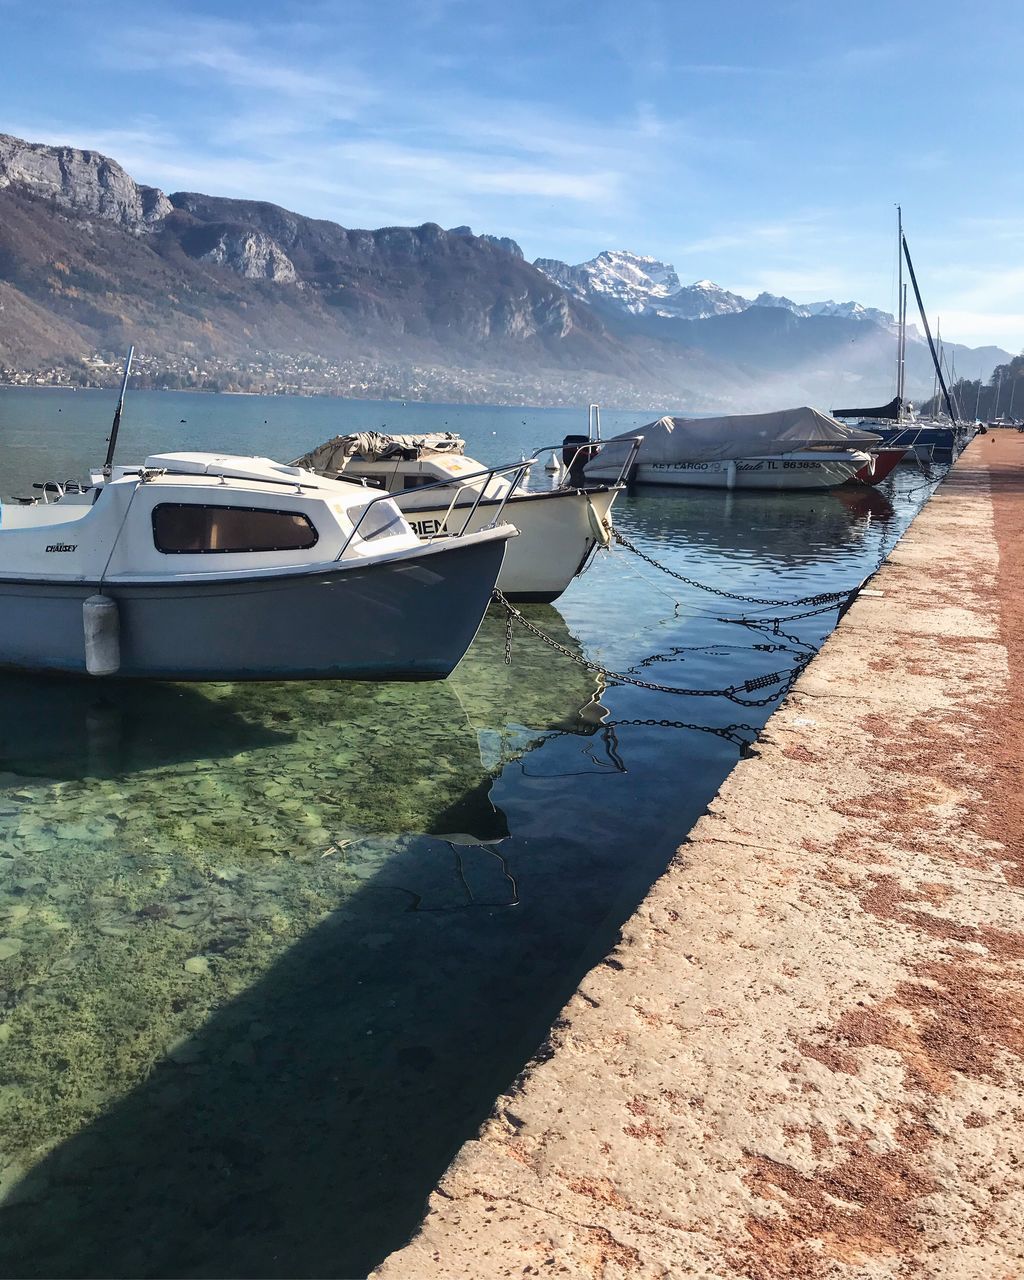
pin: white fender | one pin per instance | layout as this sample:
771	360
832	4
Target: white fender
101	624
600	528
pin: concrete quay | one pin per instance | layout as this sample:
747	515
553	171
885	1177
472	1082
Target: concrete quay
805	1058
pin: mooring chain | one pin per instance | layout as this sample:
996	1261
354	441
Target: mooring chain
508	639
823	597
782	678
731	732
674	654
776	624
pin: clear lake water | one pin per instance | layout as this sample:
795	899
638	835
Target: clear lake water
269	952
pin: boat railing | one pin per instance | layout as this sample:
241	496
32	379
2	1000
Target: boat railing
585	451
487	474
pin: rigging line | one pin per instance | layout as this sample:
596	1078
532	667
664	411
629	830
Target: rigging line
117	537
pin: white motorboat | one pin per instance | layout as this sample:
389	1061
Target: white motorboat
200	566
788	449
439	489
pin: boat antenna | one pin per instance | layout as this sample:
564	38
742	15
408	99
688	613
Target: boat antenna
116	427
927	330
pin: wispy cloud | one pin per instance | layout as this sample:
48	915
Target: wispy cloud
866	57
789	231
728	69
467	171
979	328
235	55
309	128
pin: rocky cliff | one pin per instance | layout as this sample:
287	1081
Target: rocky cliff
82	181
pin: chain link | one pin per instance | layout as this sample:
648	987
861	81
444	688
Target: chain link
829	598
782	678
508	639
730	732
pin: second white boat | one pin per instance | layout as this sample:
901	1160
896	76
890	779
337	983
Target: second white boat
441	492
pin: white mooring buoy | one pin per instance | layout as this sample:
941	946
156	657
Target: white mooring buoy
101	624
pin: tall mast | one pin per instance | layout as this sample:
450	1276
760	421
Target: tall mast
935	379
901	307
977	399
928	331
903	343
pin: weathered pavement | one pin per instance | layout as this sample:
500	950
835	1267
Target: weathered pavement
805	1056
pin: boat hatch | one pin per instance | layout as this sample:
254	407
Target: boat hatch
227	465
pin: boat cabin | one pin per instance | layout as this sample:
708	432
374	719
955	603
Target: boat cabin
182	514
403	463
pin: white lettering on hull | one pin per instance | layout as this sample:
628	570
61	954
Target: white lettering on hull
763	464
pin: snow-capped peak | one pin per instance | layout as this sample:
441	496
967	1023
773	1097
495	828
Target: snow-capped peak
640	285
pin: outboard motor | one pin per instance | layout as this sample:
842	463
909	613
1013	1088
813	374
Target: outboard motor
576	453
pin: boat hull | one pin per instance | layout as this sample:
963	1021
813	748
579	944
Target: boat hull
411	618
922	443
884	463
749	473
558	531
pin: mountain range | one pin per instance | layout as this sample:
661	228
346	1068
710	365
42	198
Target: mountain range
644	286
247	295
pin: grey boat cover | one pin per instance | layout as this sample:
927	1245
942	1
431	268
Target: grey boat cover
373	446
744	435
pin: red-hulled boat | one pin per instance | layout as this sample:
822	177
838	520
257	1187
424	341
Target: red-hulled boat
883	462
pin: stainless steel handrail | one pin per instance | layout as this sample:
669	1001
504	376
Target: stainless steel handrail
599	445
520	468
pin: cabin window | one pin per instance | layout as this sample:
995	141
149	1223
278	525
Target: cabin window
417	482
185	528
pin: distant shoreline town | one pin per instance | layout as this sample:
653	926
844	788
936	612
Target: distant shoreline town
309	375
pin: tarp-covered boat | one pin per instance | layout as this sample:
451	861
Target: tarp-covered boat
800	448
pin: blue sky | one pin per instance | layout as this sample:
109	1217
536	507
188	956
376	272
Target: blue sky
761	145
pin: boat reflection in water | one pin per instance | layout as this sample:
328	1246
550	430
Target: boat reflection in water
866	504
297	766
769	531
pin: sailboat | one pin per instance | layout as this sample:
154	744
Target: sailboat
893	421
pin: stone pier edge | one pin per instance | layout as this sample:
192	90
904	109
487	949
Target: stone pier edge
803	1058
